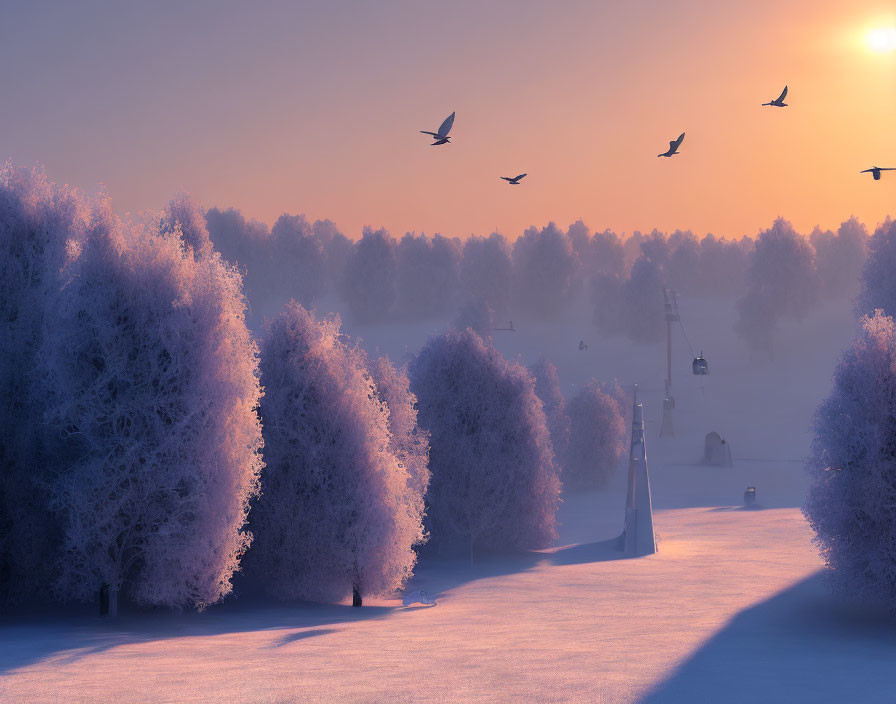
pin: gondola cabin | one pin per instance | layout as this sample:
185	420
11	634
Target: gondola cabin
700	366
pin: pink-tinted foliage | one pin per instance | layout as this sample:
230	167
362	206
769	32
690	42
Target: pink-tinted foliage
338	507
298	264
41	226
494	481
544	265
151	382
781	283
852	469
839	258
597	436
878	286
427	276
547	388
410	442
368	283
723	265
183	214
487	272
478	316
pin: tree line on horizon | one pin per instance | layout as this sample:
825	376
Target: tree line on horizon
151	446
485	281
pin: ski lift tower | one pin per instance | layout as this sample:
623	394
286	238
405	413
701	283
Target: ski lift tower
670	300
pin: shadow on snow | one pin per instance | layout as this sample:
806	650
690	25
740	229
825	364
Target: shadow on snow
801	645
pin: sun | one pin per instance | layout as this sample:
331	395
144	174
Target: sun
882	39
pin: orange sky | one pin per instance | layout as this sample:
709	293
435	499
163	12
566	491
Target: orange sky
315	108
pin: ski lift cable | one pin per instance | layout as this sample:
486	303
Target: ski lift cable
686	339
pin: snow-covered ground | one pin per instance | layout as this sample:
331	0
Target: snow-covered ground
732	607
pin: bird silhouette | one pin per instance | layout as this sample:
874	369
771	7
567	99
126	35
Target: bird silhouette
515	181
779	101
875	171
673	146
441	137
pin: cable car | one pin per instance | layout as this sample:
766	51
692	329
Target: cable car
700	365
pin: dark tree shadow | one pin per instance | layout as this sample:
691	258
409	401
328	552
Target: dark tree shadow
75	633
799	646
437	576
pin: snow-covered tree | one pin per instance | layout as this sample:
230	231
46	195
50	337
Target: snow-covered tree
246	244
410	443
184	213
297	262
41	226
547	388
427	275
596	438
642	300
150	378
339	512
544	265
683	265
606	256
477	315
878	288
368	283
487	272
852	468
494	481
723	265
781	283
839	258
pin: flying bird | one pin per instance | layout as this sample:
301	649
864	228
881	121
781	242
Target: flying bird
779	101
441	137
515	181
875	171
673	146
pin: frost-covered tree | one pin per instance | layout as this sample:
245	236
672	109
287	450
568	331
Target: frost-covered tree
642	297
878	286
781	283
339	511
337	249
547	388
723	265
368	283
477	315
487	272
596	437
184	214
41	226
150	378
427	275
683	265
494	480
246	244
297	263
852	468
544	265
839	258
410	443
606	255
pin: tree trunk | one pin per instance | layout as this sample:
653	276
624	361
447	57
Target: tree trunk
471	548
113	602
356	596
104	600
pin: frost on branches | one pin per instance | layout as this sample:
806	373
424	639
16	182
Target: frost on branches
339	511
852	469
494	481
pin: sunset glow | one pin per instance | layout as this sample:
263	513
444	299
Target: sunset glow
882	40
312	108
